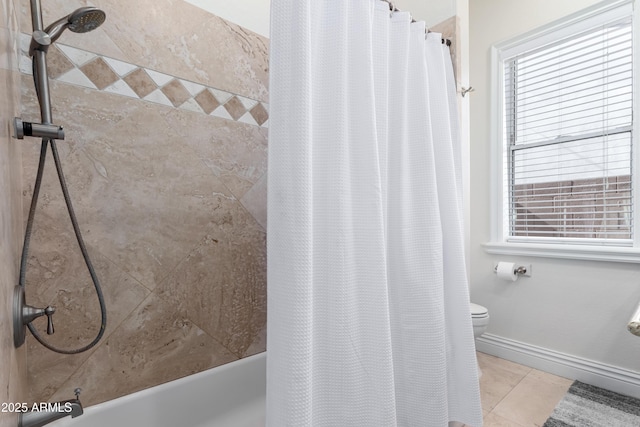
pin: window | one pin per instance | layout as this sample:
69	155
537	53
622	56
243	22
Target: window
566	134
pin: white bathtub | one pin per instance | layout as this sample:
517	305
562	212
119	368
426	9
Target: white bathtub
231	395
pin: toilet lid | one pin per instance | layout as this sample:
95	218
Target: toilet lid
478	310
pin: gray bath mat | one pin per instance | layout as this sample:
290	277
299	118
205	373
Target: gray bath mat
589	406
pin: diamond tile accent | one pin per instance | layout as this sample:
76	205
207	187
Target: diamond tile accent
140	82
207	101
192	105
160	78
222	113
78	56
248	119
259	113
221	95
77	77
121	88
76	66
120	67
57	63
159	97
248	103
193	88
235	108
176	92
99	72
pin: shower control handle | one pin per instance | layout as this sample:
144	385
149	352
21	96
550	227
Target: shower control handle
29	314
49	312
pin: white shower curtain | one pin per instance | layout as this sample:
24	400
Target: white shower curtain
368	308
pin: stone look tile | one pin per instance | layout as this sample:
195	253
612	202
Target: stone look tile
13	379
193	88
122	88
132	202
99	73
498	379
259	113
533	399
77	77
207	101
160	79
120	67
221	285
142	199
221	95
140	82
176	92
158	97
247	103
222	113
78	57
248	119
146	200
7	56
192	105
155	344
57	62
57	276
255	201
146	190
235	152
259	343
178	39
235	108
86	115
243	59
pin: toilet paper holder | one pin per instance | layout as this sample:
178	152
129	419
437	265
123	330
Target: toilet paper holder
520	270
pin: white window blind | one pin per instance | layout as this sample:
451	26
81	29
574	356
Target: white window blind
568	123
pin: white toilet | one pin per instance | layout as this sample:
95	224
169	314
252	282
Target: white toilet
480	319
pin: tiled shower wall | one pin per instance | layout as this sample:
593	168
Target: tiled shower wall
12	361
165	111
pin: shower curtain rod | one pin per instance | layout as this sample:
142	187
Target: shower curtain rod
393	8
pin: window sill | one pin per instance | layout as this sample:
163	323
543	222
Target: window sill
576	252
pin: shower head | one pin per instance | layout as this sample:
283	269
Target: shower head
86	19
81	20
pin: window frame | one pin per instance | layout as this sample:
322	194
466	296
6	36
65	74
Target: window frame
500	241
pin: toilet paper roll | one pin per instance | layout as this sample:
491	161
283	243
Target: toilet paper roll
507	271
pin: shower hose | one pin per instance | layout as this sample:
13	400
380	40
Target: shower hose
76	229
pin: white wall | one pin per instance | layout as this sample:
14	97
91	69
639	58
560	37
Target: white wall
254	14
575	307
431	11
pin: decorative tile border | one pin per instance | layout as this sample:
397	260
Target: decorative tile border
87	69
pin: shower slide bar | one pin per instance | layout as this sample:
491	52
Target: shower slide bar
81	20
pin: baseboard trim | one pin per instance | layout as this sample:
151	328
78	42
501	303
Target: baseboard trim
565	365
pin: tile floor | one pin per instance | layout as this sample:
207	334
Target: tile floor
514	395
